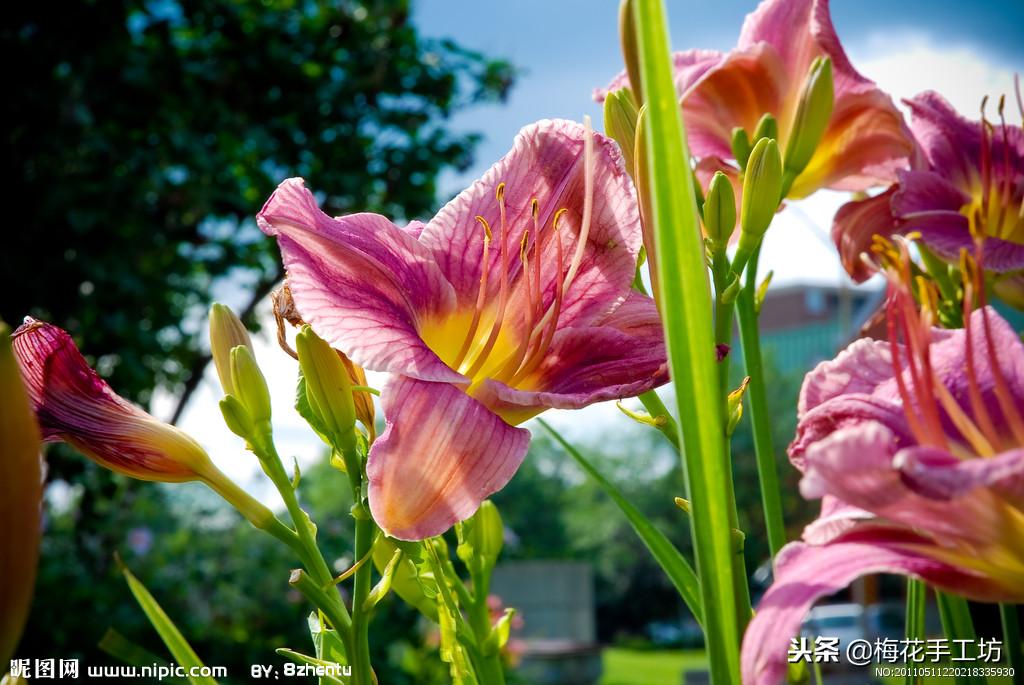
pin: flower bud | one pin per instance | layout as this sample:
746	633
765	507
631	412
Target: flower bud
620	114
484	534
236	417
328	386
740	146
21	492
720	210
630	47
226	333
250	387
767	127
811	118
762	189
72	403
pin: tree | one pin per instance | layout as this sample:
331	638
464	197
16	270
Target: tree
141	138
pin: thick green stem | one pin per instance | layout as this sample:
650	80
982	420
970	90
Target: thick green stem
1011	640
489	668
959	628
757	401
365	532
915	618
324	601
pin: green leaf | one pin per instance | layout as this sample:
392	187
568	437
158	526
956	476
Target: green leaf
118	646
327	643
182	652
665	553
683	278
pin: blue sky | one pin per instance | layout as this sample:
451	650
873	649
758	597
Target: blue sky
567	47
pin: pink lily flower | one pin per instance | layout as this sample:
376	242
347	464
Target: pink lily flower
514	299
865	140
73	404
916	449
966	187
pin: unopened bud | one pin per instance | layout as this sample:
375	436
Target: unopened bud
740	146
811	118
250	387
487	533
720	210
630	47
226	333
762	188
328	387
620	115
236	416
767	127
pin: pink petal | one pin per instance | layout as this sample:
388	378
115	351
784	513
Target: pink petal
803	574
622	356
836	518
362	283
687	66
440	456
72	403
937	474
860	368
854	227
546	163
950	142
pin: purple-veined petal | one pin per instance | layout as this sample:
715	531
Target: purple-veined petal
805	573
546	163
854	227
72	403
441	454
362	283
623	356
858	465
937	474
859	369
836	518
950	142
843	412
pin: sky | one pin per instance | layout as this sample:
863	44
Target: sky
565	48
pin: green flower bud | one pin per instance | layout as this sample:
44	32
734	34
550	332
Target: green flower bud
767	127
249	384
811	117
236	417
226	333
720	210
740	146
762	190
328	387
620	116
630	49
488	533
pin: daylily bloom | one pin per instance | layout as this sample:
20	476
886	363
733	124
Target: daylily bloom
865	139
514	298
916	448
73	404
966	187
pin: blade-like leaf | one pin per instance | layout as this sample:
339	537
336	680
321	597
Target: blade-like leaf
182	652
118	646
685	294
665	553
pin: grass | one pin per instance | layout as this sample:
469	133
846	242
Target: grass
642	667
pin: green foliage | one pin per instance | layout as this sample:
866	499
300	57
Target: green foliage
140	138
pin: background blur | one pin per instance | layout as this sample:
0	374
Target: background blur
140	138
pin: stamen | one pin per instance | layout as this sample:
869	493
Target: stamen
537	240
968	269
1002	391
986	158
588	203
492	337
481	295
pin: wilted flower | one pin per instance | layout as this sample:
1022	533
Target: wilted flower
916	448
966	187
773	69
514	298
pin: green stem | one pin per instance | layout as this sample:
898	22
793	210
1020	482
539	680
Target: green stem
958	625
1011	640
685	297
490	669
757	399
365	532
324	600
915	617
657	409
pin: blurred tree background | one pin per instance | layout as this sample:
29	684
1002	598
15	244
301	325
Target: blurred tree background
140	138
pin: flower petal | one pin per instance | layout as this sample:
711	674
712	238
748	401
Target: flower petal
951	143
836	518
687	67
854	228
859	369
440	456
937	474
805	573
623	356
847	411
546	163
362	283
72	403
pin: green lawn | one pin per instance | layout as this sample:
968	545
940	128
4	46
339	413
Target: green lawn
641	667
